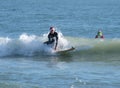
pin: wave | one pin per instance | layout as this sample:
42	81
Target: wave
96	49
29	45
97	45
32	45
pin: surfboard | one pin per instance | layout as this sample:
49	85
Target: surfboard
65	50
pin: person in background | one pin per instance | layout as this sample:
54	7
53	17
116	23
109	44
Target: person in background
99	34
52	37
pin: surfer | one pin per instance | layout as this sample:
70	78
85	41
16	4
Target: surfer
99	34
52	37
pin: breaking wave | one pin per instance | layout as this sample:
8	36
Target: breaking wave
32	45
28	45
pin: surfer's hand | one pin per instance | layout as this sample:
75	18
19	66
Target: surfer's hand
55	48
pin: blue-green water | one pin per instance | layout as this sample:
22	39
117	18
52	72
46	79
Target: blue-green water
26	63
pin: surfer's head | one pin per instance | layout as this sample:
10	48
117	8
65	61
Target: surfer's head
52	29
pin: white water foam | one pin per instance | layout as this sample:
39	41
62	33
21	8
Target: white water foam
29	45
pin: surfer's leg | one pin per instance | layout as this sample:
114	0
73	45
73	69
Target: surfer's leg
48	42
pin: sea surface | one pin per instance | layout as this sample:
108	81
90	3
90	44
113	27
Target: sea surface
25	62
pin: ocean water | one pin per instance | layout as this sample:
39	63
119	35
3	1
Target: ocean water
25	62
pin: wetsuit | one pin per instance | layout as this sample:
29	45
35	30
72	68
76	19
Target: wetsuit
99	35
52	38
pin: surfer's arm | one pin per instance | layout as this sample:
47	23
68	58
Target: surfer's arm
102	37
56	41
49	37
96	36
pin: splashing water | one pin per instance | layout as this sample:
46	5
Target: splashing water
28	45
